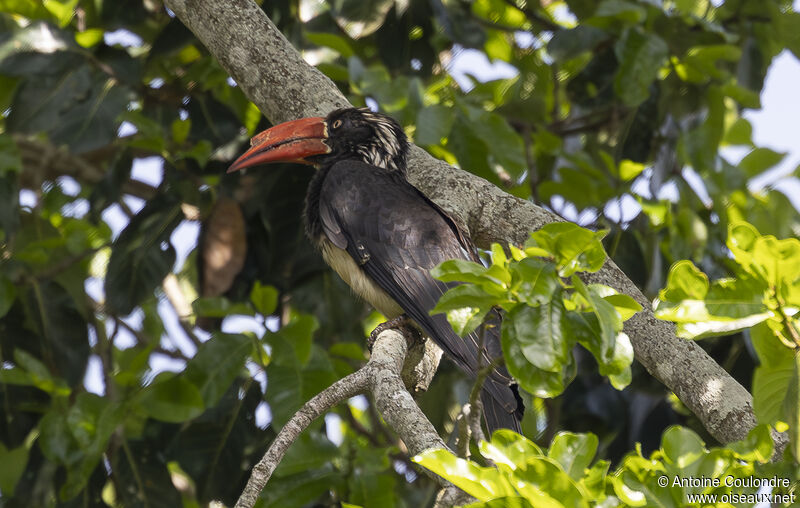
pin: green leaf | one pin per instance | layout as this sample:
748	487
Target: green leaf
537	333
310	451
788	25
770	387
544	482
570	43
299	332
790	410
171	398
216	364
757	446
607	317
39	374
641	56
574	452
180	130
739	133
509	448
573	247
290	384
329	40
615	12
264	298
760	160
625	305
433	123
492	280
681	446
465	306
534	280
360	18
770	350
628	170
701	310
219	307
483	483
8	293
12	465
10	160
538	382
91	421
142	255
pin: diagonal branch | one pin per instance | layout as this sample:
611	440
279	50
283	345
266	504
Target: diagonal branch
273	74
390	362
341	390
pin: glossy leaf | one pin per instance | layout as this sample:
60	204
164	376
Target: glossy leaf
574	452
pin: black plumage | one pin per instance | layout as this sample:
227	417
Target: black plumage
383	236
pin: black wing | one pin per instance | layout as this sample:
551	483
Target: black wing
398	235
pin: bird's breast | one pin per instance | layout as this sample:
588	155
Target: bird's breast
347	268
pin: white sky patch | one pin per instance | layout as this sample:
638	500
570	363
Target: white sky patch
93	377
184	239
242	324
124	38
263	415
78	208
149	170
471	62
126	129
116	219
134	203
333	427
695	181
359	402
94	288
622	210
176	337
27	198
69	185
163	363
777	123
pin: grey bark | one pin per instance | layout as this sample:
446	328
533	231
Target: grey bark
273	74
392	366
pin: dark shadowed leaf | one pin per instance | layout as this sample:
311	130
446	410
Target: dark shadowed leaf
641	56
171	398
142	255
217	363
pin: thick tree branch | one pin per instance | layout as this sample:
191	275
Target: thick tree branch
284	87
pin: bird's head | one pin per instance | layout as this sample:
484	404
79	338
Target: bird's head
352	133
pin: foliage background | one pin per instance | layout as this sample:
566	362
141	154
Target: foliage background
614	102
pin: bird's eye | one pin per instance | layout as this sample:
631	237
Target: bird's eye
337	124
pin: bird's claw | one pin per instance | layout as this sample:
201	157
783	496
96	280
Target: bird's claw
401	323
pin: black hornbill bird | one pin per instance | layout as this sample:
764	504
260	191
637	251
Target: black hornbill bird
382	235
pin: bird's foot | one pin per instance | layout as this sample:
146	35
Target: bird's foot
401	323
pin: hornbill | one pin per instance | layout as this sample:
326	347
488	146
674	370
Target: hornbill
382	235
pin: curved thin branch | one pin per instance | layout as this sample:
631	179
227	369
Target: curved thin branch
383	377
273	74
341	390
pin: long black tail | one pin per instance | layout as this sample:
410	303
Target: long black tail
495	414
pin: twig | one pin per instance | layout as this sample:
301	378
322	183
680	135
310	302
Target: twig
342	389
381	376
